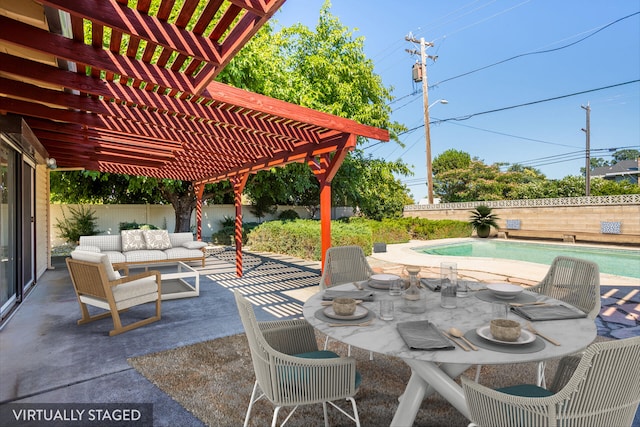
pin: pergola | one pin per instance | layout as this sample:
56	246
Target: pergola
140	96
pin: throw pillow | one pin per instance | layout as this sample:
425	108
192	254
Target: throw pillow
157	239
132	240
194	245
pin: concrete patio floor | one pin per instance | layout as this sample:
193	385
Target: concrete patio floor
46	358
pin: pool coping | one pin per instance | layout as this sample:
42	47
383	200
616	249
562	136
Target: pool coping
481	269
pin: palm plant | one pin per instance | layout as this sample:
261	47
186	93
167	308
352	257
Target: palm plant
482	219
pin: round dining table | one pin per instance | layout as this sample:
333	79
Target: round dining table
434	370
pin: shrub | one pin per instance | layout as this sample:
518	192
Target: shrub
135	226
83	222
301	238
288	215
226	234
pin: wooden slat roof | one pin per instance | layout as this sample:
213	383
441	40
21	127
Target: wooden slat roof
140	97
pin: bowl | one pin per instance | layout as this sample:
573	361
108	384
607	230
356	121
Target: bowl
344	306
504	290
505	330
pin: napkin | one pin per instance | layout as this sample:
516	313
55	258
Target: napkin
364	295
433	284
423	335
548	312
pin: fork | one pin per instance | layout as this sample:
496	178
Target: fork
535	331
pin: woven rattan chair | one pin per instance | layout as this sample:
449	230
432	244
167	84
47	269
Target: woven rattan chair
96	283
574	281
603	391
289	369
344	264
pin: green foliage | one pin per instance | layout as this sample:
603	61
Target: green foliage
301	238
83	222
226	235
455	180
428	229
135	226
483	217
288	215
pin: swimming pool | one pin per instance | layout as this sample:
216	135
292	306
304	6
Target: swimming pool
621	262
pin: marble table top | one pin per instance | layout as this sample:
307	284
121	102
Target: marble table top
471	313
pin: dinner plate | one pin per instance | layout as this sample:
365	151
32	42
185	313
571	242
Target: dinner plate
525	336
504	290
382	281
358	314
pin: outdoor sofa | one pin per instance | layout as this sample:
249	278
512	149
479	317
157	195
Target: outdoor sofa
145	247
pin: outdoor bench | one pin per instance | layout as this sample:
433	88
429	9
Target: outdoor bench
571	236
139	247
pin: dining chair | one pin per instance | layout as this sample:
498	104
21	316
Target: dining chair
96	283
602	391
291	371
575	281
344	264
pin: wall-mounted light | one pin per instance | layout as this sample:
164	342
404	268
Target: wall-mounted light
51	163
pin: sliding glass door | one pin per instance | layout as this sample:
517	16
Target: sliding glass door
8	226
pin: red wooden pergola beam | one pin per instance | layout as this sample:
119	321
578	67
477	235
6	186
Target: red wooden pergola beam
70	50
130	21
275	107
161	103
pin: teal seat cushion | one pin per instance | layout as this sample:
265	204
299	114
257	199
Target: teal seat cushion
526	390
326	354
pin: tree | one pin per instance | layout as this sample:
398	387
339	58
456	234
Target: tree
621	155
324	69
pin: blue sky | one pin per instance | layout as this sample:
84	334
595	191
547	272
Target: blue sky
469	35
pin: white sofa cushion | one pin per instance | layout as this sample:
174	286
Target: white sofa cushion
97	258
182	252
115	256
106	242
145	255
156	239
177	239
88	248
196	244
132	240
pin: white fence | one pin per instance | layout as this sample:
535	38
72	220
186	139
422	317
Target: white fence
163	216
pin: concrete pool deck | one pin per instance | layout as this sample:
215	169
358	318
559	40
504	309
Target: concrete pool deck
480	269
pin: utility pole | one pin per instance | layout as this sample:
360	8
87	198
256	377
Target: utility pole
425	101
587	131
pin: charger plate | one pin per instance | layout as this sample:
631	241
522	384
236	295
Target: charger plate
525	336
358	314
319	314
536	345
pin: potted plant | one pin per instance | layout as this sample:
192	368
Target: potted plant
482	219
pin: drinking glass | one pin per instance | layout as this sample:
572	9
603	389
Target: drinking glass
386	309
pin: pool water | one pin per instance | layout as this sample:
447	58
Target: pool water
621	262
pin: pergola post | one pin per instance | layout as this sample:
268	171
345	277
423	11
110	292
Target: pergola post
238	183
199	190
325	168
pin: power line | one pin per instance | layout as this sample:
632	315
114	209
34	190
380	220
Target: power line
526	104
537	52
518	56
